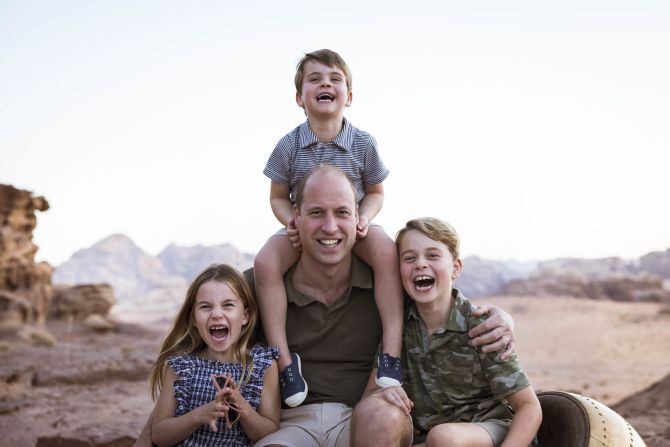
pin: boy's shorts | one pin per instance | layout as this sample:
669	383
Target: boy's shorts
327	424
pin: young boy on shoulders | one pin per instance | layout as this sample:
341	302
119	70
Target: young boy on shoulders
458	394
323	90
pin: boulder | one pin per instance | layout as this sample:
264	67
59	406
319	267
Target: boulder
81	301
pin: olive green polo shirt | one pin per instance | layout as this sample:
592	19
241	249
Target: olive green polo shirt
448	380
336	344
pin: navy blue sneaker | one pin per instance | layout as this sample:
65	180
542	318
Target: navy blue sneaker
389	372
293	387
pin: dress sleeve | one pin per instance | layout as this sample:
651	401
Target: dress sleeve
183	367
261	358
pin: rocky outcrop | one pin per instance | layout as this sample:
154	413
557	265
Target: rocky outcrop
639	288
25	286
657	262
483	277
649	412
81	301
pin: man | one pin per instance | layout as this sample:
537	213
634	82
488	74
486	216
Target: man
333	324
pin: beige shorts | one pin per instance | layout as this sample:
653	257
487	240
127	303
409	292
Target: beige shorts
319	425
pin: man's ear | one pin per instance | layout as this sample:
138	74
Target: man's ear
296	214
458	265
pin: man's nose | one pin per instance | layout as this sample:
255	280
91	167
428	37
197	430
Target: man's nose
329	223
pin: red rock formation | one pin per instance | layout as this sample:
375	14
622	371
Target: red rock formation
25	287
81	301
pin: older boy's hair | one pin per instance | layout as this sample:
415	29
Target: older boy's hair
321	167
435	229
326	57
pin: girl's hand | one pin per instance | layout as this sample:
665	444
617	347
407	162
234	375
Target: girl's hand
209	413
293	235
228	393
362	227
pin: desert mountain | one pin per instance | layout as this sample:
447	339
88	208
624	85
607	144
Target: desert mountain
155	285
145	285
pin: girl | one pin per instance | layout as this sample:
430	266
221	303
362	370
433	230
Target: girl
207	376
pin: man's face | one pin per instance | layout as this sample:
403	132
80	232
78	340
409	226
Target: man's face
326	219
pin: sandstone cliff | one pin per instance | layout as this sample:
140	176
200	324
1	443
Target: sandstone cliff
25	286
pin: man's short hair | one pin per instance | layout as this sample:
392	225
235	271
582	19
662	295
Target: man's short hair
322	167
326	57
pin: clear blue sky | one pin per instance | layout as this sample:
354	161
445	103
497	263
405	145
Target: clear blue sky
539	130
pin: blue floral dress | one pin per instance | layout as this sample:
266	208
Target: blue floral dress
194	388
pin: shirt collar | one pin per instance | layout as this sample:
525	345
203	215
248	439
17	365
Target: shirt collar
457	321
361	277
344	139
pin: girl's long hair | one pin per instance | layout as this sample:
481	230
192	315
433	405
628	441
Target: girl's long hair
184	338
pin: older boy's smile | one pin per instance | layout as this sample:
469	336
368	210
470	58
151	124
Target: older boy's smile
424	282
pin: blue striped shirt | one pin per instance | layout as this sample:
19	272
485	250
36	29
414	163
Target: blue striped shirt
353	150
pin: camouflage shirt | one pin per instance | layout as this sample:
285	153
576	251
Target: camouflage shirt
450	381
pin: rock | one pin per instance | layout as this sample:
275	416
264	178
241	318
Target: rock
657	262
25	285
624	287
84	441
81	300
99	323
37	336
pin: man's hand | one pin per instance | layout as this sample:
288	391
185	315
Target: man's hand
396	395
496	333
293	235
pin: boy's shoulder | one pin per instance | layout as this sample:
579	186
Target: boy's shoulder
466	307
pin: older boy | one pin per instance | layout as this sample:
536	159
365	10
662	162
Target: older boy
457	391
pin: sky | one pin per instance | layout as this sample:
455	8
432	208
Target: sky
538	129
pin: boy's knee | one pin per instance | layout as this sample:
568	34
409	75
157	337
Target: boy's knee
442	435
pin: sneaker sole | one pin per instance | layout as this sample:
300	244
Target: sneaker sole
386	382
298	398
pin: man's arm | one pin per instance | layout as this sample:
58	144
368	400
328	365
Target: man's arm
496	333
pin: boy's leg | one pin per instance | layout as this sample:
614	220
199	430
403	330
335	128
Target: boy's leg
379	251
270	265
458	434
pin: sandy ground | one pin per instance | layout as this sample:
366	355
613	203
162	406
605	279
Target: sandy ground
91	390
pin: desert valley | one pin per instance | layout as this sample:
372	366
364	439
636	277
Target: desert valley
78	341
